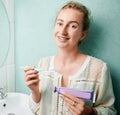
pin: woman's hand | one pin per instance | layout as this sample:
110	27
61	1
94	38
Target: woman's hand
31	78
75	105
32	81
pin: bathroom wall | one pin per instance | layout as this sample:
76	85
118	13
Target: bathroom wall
34	22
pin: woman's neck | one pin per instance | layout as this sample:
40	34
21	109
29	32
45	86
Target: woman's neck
66	57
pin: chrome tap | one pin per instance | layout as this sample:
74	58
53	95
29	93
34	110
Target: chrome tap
3	94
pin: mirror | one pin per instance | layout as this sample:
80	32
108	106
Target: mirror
4	33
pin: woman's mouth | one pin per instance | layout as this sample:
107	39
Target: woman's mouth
63	38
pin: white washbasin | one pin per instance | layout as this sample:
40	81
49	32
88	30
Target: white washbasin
15	104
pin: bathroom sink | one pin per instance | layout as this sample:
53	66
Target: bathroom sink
15	104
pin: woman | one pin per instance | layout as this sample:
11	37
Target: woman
70	65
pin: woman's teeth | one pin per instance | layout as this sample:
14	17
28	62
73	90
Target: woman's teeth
63	38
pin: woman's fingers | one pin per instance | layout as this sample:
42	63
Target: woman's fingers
31	82
77	110
31	72
31	77
74	105
72	98
28	68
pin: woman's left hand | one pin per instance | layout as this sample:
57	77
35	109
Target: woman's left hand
75	105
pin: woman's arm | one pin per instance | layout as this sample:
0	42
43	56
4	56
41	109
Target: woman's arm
104	104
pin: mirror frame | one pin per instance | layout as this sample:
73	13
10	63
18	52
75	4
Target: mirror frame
5	55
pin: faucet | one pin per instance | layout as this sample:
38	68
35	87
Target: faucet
3	94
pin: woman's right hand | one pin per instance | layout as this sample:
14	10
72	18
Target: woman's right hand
32	78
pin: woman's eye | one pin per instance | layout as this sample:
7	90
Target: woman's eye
59	24
73	26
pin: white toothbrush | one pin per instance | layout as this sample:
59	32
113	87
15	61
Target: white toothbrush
48	72
39	70
44	71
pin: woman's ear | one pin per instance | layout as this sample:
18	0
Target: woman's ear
83	35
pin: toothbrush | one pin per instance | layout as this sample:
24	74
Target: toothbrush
44	71
40	70
48	72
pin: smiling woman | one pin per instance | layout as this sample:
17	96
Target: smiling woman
34	22
71	67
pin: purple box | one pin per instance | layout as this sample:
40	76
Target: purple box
83	94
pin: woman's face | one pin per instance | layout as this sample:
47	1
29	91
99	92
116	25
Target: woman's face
68	28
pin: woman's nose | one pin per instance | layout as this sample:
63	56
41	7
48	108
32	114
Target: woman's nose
63	30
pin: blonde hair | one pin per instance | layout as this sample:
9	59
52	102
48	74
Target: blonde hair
80	8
